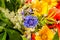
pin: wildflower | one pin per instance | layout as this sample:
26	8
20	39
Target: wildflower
30	21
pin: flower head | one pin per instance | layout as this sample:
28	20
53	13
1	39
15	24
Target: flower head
30	21
39	7
45	34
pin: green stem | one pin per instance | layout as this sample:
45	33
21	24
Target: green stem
2	3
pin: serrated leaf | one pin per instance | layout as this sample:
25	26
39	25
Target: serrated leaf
56	37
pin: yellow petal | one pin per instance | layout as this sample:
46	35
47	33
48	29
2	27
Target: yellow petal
36	5
44	8
37	13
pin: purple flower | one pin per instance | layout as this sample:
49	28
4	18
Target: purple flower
30	21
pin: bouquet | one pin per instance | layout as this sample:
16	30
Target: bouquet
29	19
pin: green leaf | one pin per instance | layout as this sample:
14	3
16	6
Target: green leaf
6	29
2	3
3	36
5	21
24	38
1	28
56	37
13	35
13	5
43	22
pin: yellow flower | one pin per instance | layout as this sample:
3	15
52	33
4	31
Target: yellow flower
39	7
36	5
45	34
42	7
36	13
51	3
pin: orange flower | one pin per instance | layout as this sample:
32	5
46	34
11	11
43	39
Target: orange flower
45	34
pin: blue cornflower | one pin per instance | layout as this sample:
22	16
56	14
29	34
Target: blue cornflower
30	21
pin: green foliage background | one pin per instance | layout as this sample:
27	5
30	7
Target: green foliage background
7	32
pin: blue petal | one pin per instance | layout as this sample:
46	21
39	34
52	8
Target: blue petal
29	19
